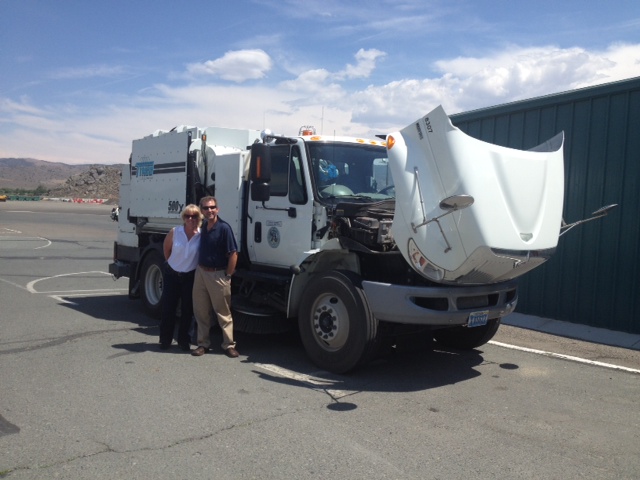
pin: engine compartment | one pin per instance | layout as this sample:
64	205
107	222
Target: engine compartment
367	224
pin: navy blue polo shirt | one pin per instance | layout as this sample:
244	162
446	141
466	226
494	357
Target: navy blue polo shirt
216	245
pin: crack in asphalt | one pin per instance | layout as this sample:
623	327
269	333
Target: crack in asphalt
109	449
61	340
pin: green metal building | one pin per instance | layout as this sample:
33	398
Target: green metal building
594	276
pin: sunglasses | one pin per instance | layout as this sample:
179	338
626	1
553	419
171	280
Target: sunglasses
209	208
192	217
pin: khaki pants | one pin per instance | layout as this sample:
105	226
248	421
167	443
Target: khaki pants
212	292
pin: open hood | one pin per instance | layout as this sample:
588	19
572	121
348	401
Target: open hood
471	212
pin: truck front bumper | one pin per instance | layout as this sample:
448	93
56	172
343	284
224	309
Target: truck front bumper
119	269
443	305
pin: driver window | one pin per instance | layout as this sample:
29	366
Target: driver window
287	175
279	170
297	191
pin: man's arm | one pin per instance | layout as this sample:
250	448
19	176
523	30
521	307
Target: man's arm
231	263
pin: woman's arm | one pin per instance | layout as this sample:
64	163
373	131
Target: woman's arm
168	243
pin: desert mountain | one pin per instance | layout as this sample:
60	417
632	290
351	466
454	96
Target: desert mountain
61	179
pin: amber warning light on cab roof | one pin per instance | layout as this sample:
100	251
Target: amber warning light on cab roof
307	130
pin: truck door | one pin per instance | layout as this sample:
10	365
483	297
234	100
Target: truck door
279	231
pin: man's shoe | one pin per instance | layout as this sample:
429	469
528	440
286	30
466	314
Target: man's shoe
231	352
185	347
198	352
165	346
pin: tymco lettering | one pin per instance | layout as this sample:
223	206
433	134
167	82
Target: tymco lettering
144	169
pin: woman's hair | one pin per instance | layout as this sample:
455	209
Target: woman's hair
192	209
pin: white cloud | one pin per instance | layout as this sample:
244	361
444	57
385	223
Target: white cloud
87	72
10	108
309	81
319	81
365	64
619	61
322	87
522	73
236	66
468	83
397	103
68	133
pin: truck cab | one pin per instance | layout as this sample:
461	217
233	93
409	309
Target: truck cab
308	178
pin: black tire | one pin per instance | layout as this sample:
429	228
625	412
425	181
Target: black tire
336	326
464	338
151	282
260	324
258	319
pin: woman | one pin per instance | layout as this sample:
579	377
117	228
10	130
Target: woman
180	247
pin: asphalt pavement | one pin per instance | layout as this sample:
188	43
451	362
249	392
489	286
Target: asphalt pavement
573	330
85	392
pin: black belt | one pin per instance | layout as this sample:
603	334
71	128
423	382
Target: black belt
212	269
175	272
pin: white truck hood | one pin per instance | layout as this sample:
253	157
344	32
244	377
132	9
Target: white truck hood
513	223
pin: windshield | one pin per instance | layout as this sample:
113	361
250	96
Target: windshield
351	170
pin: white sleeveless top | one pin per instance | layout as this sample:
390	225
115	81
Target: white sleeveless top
184	252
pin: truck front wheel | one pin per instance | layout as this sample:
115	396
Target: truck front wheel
465	338
151	281
336	326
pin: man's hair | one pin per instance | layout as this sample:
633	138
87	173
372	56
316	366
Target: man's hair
208	199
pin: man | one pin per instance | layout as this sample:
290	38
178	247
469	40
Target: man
217	260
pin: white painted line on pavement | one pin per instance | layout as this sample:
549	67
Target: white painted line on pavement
14	284
83	293
44	246
315	383
564	357
30	285
60	299
91	293
41	239
69	293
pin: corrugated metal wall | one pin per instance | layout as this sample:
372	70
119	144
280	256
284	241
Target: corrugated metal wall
593	279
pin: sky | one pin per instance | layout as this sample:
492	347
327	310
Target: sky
79	79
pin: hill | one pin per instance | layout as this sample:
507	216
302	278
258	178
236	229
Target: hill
29	173
60	179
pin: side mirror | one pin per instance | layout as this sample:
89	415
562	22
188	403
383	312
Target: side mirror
601	212
456	202
260	163
260	191
260	172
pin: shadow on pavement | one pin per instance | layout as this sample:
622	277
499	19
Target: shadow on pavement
407	367
410	366
118	308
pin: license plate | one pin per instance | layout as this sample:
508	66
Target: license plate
477	319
